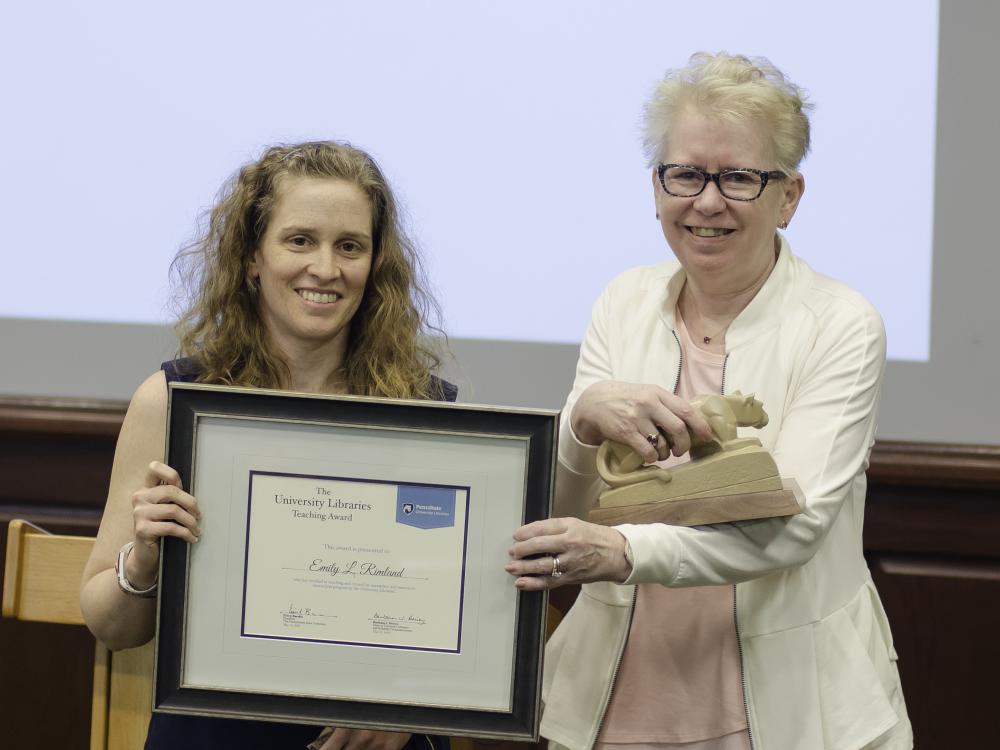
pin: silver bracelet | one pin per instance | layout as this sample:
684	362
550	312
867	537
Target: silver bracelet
123	582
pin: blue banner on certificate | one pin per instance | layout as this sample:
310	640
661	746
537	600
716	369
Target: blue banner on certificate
425	506
358	562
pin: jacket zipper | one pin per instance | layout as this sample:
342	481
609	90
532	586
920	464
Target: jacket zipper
618	666
736	617
635	591
743	674
680	364
722	389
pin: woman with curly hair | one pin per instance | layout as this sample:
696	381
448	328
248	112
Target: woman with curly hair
304	281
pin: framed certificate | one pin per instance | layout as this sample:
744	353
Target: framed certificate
350	568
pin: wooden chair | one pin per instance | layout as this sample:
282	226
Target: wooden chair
42	574
42	584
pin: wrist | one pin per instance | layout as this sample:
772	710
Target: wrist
626	558
131	580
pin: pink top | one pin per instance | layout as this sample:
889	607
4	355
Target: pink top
680	681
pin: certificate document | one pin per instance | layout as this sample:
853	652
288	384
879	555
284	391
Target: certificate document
355	561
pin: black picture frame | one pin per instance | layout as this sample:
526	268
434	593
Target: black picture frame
536	429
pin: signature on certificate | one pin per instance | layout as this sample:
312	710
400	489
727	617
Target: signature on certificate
297	615
382	622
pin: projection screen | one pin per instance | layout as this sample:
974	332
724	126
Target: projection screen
511	133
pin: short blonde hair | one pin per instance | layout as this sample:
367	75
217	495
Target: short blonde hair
731	88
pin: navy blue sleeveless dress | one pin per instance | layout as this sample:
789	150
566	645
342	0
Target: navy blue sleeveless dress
173	731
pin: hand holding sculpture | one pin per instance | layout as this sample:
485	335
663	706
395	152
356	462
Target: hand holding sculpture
649	419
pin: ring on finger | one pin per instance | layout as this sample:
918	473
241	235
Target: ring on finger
653	438
556	572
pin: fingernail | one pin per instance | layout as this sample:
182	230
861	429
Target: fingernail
317	743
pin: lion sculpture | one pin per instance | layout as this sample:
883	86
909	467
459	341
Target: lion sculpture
619	466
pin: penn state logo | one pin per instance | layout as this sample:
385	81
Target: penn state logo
426	506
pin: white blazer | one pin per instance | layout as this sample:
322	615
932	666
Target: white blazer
817	654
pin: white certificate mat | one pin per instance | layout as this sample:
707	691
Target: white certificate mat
374	563
353	563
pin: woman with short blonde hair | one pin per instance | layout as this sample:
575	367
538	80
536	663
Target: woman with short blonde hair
760	635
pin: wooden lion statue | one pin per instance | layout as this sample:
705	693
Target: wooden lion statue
619	466
724	414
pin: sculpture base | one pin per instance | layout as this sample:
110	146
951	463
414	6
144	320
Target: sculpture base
697	511
745	467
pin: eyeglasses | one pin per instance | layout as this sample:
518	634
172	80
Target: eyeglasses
683	181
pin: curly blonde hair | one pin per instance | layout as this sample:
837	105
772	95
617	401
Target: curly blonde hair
732	88
221	328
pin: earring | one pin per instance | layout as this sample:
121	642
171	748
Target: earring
252	286
657	215
783	225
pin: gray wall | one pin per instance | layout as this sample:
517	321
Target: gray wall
956	396
949	399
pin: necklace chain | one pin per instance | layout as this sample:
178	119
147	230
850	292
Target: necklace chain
705	339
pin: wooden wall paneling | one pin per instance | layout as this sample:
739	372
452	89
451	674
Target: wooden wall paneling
56	455
933	521
945	617
932	538
45	690
932	465
55	462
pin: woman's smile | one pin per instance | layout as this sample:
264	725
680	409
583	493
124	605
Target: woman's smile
317	297
709	231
